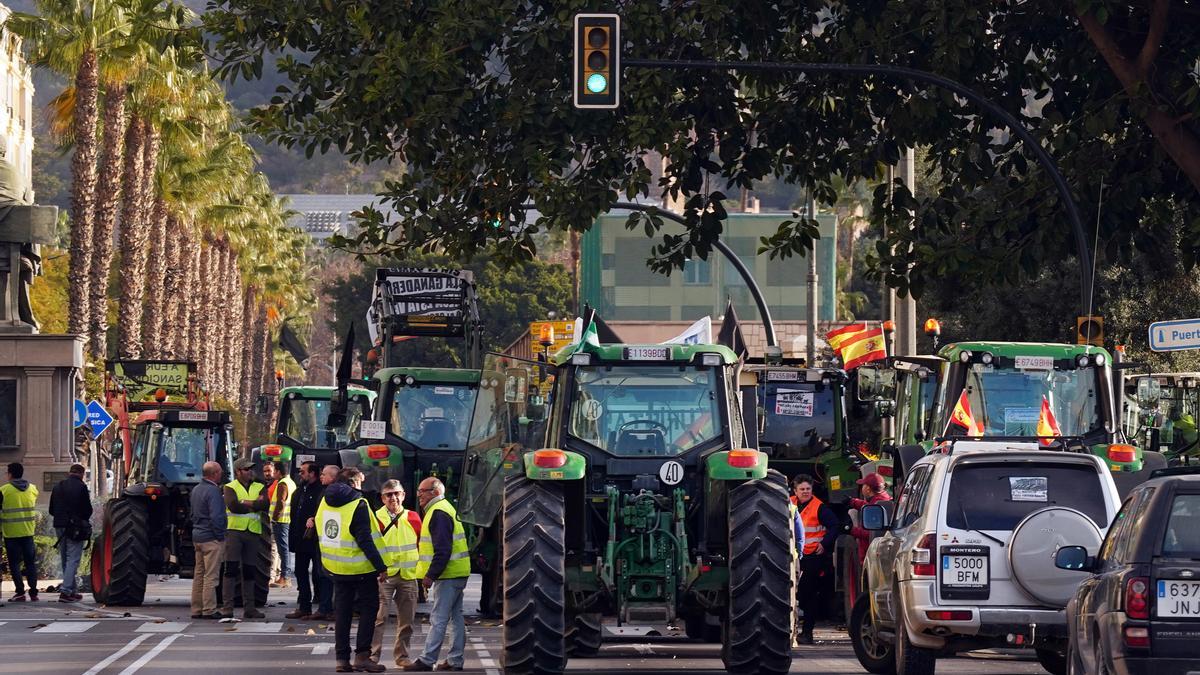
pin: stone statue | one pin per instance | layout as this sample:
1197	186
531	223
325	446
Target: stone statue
23	228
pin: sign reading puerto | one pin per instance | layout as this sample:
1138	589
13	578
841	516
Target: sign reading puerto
1173	336
98	417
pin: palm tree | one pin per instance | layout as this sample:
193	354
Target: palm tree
70	37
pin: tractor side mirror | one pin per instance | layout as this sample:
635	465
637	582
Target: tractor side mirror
1149	392
875	518
886	408
876	384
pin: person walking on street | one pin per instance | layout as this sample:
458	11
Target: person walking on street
245	504
350	543
444	565
816	567
208	537
280	491
873	489
17	524
401	530
71	508
311	578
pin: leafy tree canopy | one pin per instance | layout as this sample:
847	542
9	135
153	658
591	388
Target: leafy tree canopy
509	298
476	99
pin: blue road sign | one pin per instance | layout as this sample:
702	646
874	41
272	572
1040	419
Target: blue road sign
1173	336
98	417
80	416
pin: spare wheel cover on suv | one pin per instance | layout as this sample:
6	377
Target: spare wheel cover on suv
1033	544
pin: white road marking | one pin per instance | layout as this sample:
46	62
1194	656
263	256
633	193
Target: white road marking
66	627
158	648
487	663
266	627
118	654
483	653
322	648
165	627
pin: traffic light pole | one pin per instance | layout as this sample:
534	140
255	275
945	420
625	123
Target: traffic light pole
914	75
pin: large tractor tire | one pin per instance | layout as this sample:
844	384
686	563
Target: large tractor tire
120	555
584	635
761	583
534	577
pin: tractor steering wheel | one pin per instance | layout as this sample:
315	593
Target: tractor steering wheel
646	424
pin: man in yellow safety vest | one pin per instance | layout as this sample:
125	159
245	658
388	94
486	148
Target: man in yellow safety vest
443	565
17	523
401	529
280	488
350	543
245	507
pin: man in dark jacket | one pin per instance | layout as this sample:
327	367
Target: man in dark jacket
209	522
71	508
302	537
349	545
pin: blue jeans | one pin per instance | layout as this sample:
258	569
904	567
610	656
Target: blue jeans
70	552
281	547
447	609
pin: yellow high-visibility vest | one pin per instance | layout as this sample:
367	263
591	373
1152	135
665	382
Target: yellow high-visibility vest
16	513
340	553
460	564
285	514
399	544
243	522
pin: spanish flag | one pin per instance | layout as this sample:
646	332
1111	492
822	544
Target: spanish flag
863	347
1047	426
839	337
962	416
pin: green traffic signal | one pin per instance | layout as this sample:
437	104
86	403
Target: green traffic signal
597	83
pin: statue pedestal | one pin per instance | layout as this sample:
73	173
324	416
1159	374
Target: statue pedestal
37	392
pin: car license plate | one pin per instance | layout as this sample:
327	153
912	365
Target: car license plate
964	572
647	353
1178	599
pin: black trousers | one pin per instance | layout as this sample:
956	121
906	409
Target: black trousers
22	554
358	593
312	579
814	589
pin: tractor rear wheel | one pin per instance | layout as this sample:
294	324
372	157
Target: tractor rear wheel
534	577
120	555
584	636
761	584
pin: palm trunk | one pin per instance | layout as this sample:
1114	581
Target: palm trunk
218	326
154	307
108	197
197	323
187	297
233	368
83	191
246	350
171	309
134	234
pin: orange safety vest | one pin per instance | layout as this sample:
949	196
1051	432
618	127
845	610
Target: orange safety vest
814	531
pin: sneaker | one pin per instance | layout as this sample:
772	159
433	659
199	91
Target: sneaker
19	597
77	597
66	597
300	614
33	596
418	665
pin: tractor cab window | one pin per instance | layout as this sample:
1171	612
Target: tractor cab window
308	422
1006	400
800	418
646	410
184	450
433	416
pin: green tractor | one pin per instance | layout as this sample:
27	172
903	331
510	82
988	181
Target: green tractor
614	483
1017	395
1160	414
307	431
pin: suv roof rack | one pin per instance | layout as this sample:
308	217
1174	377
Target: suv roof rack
945	445
1191	470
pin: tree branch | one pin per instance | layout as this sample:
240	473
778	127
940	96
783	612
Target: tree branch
1159	9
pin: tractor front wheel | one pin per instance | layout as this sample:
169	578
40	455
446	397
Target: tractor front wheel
584	636
120	554
534	577
761	585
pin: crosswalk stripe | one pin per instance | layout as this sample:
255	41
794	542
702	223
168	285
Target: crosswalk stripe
66	627
162	627
255	627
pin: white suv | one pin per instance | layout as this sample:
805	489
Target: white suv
967	561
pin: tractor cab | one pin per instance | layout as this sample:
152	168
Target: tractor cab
170	448
307	429
1161	413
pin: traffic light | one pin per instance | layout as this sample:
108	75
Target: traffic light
597	71
1089	330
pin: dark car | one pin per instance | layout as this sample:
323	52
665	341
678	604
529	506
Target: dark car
1139	612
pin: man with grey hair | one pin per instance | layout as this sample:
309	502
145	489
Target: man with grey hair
401	529
208	537
443	565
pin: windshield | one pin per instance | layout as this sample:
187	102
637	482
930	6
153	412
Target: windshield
308	418
433	416
800	418
1182	539
1008	401
182	451
999	496
646	410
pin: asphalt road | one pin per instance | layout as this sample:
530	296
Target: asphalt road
159	638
